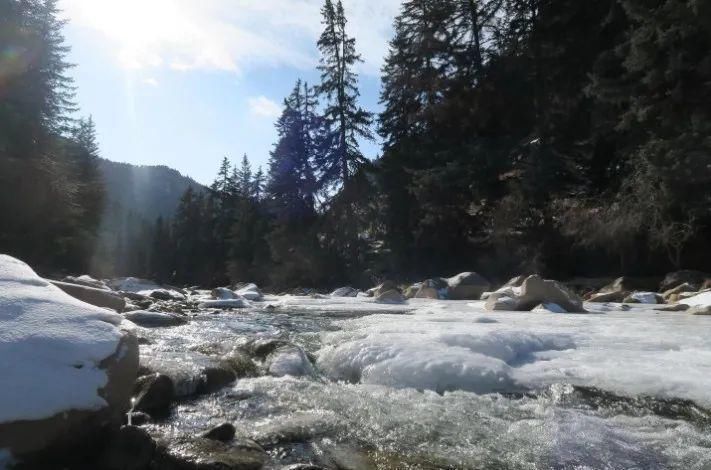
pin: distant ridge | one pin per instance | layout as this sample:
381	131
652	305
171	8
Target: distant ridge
147	191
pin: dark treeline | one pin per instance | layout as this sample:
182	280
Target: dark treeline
51	194
566	138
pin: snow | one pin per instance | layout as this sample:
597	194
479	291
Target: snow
453	346
51	345
700	300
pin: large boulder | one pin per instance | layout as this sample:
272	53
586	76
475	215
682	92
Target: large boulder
383	288
434	288
250	292
671	280
155	319
164	294
67	369
622	287
345	292
209	454
618	296
223	293
225	304
534	291
629	283
467	286
132	284
651	298
154	394
86	280
391	297
680	289
93	296
132	448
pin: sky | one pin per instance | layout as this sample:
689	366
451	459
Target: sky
184	83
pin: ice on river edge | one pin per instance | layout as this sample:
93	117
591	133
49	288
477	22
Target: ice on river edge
444	346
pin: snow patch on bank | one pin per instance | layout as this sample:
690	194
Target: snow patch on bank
50	347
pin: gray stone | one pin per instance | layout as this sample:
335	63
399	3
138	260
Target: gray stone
132	448
93	296
155	319
345	292
154	394
225	432
535	291
687	276
223	293
467	286
207	454
391	297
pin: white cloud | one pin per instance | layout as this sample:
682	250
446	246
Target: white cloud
228	35
150	81
264	107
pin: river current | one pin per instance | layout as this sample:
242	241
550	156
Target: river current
350	384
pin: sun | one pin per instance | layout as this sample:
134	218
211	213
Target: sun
138	29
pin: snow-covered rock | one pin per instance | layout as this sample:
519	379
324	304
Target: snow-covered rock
345	292
163	294
672	280
702	299
467	286
132	284
86	280
250	292
382	288
532	292
91	295
67	367
223	293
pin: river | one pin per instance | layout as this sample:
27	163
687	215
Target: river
347	383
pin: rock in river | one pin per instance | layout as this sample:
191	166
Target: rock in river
93	296
67	369
467	286
155	319
207	454
532	292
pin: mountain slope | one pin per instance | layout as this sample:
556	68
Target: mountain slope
147	191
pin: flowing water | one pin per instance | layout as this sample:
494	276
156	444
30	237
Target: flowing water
437	384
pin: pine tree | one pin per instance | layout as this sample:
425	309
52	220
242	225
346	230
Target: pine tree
347	121
244	177
36	139
291	183
258	183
